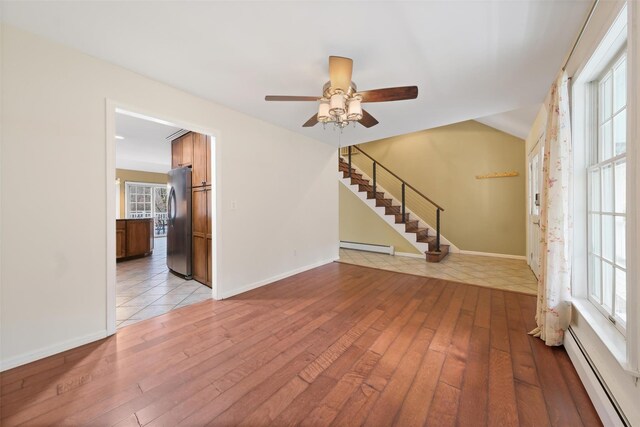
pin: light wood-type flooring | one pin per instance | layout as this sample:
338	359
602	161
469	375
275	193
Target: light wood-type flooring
338	345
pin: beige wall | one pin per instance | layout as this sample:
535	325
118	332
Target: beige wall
54	118
537	129
485	215
127	175
358	223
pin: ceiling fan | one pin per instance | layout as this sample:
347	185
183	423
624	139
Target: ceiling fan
340	102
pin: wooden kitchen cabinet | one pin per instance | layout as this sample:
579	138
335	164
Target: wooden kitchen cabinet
176	153
182	151
200	225
209	238
139	236
194	150
201	176
121	239
134	237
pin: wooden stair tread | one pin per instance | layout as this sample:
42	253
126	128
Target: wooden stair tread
433	256
411	225
427	239
419	230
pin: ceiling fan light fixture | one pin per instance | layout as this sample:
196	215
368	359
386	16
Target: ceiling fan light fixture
341	102
323	111
354	110
337	106
343	121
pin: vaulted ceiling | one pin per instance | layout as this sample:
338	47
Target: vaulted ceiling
470	59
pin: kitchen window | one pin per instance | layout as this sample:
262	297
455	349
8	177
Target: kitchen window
606	194
147	200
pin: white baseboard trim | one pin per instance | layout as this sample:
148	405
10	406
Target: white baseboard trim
275	278
491	254
368	247
595	389
410	255
25	358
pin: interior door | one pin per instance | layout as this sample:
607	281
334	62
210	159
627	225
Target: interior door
535	184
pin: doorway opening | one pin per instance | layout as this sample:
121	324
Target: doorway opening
163	258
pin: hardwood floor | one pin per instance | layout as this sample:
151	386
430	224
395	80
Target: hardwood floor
339	345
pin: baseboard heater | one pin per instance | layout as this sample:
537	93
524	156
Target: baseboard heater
381	249
607	391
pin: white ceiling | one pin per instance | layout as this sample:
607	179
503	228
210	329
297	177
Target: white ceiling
515	122
470	59
144	147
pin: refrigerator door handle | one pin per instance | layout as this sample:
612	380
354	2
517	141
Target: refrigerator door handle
171	208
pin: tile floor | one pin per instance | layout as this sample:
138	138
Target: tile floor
499	273
145	288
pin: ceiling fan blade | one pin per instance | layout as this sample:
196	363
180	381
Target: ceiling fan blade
390	94
311	122
290	98
340	72
368	120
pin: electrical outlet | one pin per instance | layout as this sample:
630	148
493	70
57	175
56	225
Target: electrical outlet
234	205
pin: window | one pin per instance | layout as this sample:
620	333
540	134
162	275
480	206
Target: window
145	200
606	182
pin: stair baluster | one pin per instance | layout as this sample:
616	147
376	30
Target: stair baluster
374	180
404	216
437	229
436	251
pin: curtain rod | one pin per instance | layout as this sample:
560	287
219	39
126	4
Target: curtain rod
584	26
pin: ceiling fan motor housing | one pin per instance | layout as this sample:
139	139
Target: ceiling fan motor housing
328	90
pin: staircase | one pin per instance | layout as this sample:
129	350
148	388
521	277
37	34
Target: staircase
411	225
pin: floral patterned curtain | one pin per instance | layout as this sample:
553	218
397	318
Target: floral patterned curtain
554	282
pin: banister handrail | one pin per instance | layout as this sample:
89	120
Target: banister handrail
400	179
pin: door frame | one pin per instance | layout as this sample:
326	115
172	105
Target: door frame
536	150
113	106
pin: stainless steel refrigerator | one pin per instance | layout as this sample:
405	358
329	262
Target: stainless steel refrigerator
179	221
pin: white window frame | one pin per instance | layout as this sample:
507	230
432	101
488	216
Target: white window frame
625	350
594	148
129	184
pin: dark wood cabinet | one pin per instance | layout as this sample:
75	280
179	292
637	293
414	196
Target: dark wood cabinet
134	237
176	153
201	235
182	151
201	166
209	264
121	239
209	238
200	175
194	150
208	164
